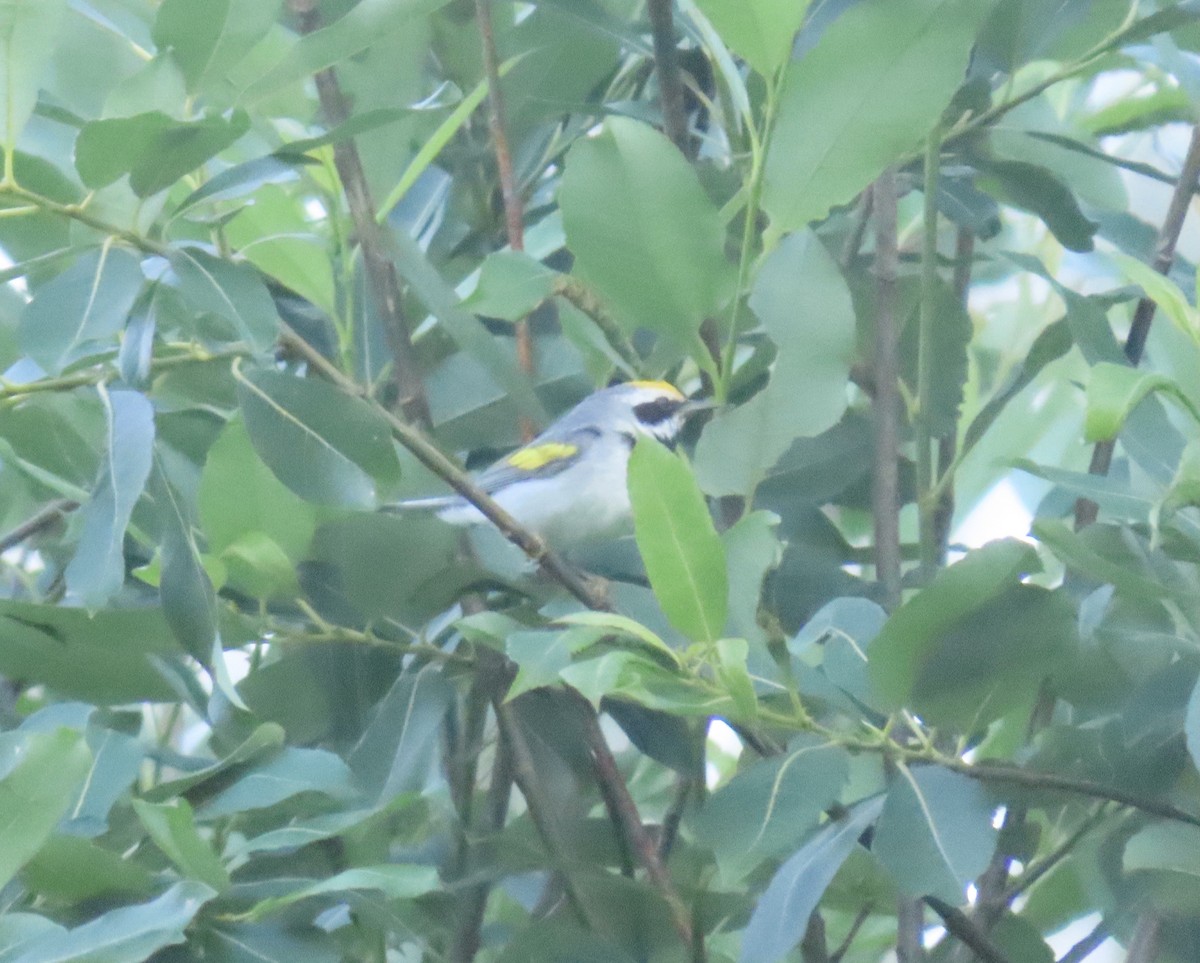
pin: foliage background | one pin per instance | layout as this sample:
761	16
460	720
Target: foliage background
260	254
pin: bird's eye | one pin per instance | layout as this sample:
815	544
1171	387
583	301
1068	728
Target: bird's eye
656	411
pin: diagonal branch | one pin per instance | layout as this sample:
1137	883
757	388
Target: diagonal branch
433	459
382	273
1086	510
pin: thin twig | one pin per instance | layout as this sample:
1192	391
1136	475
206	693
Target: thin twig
433	459
1086	510
885	497
962	928
379	267
514	218
626	813
926	500
1086	946
1064	849
42	519
864	914
666	64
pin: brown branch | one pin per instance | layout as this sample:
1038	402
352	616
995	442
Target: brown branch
625	813
910	923
864	914
885	496
1086	510
1086	946
382	273
961	926
433	459
42	519
514	226
666	64
576	292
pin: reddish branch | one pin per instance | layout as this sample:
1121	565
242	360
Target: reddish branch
380	270
666	64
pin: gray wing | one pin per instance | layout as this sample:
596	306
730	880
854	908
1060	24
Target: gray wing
503	473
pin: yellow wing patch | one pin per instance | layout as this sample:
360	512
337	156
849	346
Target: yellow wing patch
664	386
539	456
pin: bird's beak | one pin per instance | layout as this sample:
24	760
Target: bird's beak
695	405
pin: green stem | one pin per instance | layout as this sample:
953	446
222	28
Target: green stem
929	279
758	151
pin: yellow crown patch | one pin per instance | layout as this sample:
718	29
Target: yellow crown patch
664	386
539	456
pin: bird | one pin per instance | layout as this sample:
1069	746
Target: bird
568	485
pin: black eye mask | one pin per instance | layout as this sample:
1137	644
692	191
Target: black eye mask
655	412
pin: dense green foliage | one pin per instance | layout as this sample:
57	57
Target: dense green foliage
256	251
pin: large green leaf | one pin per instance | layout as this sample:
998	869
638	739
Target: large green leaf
769	807
37	791
974	642
870	90
643	231
391	881
759	31
284	775
97	571
82	309
1115	390
105	657
129	934
230	291
207	39
802	300
935	834
173	828
781	916
28	30
683	554
323	444
153	149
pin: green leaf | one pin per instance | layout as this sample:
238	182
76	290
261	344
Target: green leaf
540	657
233	292
188	600
82	310
622	625
276	236
173	828
683	554
643	231
802	299
286	774
392	881
207	39
781	916
1162	859
769	807
975	641
761	32
1036	189
397	753
869	92
264	741
104	657
1114	390
511	284
37	792
129	934
155	150
28	32
752	550
367	23
326	446
1164	292
73	870
239	495
97	570
935	834
116	762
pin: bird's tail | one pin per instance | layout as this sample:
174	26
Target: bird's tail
437	504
